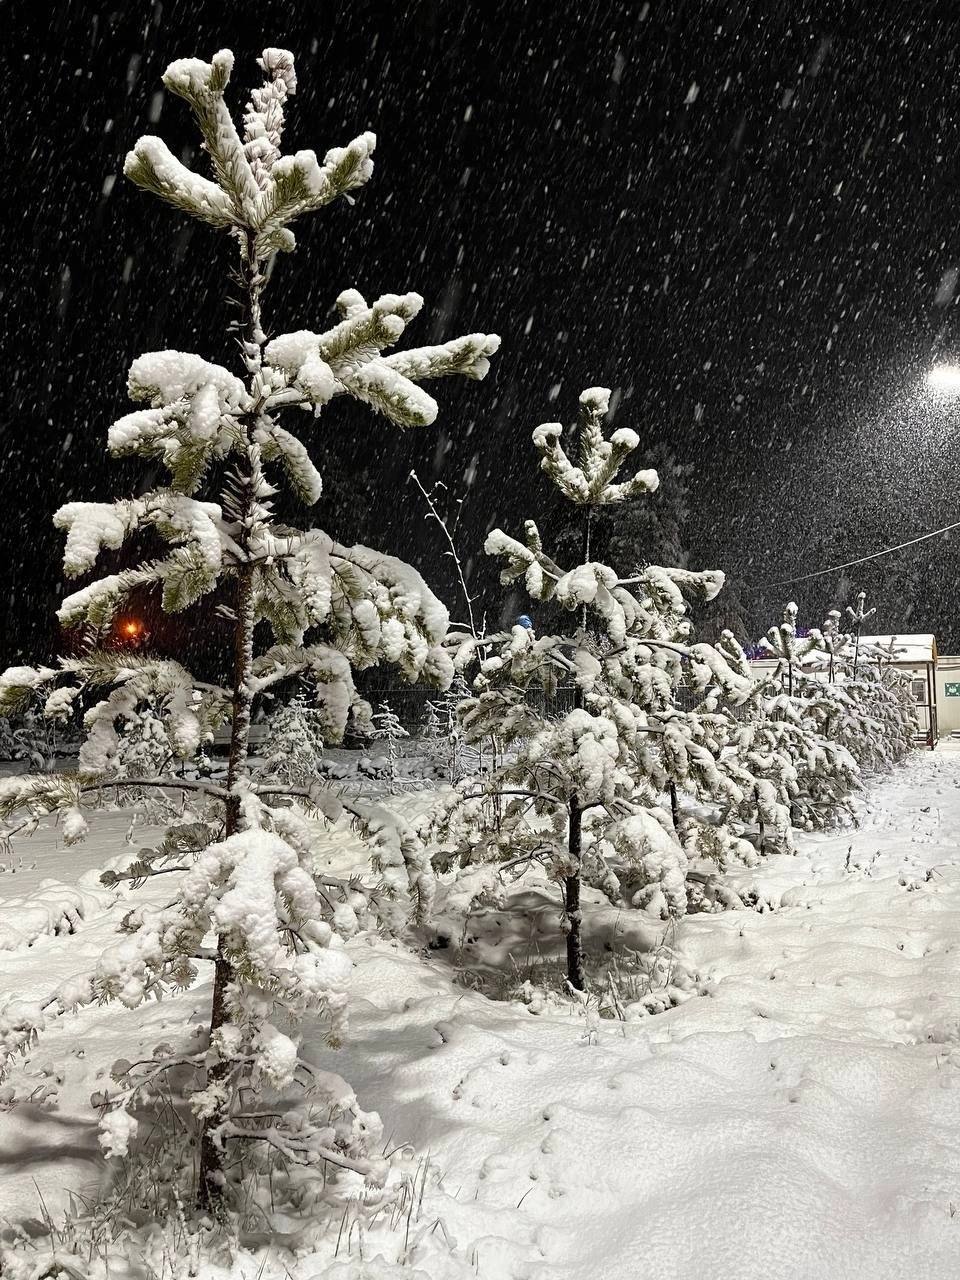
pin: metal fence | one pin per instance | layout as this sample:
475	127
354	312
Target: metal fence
409	703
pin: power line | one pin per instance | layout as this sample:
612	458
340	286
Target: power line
887	551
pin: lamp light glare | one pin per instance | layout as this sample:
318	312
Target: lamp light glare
945	377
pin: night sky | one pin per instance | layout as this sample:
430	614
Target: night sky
742	216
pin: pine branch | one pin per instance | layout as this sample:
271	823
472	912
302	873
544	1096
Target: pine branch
170	784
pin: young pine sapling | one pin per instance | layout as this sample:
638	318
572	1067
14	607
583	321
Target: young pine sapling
277	956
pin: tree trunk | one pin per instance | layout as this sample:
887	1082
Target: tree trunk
572	900
761	828
210	1181
210	1186
571	894
674	805
585	551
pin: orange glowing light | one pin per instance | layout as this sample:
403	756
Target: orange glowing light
131	628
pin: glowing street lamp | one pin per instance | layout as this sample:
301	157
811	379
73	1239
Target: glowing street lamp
132	633
944	378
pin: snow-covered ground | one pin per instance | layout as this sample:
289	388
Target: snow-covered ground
801	1119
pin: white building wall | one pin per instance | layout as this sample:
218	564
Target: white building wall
948	705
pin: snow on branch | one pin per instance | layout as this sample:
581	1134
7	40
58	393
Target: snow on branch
379	607
300	184
591	482
255	188
327	670
348	359
192	418
278	445
189	712
525	560
263	118
19	684
152	166
191	570
92	526
22	1021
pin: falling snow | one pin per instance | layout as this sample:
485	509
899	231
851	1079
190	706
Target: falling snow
736	226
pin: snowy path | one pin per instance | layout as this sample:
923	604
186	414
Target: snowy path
803	1120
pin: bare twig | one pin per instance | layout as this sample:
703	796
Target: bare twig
435	515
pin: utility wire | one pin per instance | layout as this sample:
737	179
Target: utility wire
819	573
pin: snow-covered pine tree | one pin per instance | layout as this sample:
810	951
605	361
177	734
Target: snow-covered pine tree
697	732
144	749
293	748
432	738
648	529
432	727
444	731
791	650
870	714
834	642
866	705
582	787
278	956
386	727
890	704
763	775
788	739
858	615
701	762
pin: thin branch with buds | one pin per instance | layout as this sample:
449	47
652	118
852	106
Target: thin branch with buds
434	514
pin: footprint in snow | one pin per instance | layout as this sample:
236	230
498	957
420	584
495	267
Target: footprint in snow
495	1164
445	1032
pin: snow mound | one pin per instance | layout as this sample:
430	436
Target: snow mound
53	908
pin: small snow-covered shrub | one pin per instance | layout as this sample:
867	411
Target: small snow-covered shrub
144	749
293	749
442	735
385	727
36	739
